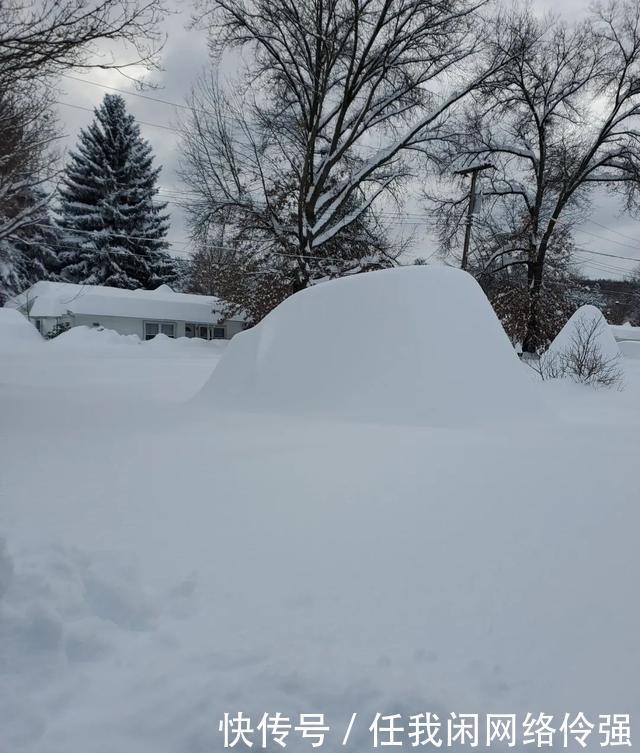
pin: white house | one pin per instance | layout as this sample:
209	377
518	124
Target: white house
145	313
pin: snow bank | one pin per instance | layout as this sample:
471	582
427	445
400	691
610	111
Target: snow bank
87	339
99	340
16	331
406	345
162	568
625	332
195	345
630	348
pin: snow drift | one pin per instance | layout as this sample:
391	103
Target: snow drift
16	331
88	339
630	348
585	351
406	345
625	332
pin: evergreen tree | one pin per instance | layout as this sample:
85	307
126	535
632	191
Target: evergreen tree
115	229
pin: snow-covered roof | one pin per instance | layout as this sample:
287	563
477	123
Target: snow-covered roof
56	299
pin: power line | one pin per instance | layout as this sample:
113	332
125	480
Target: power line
132	94
226	118
635	247
603	253
400	218
142	122
409	218
127	236
611	230
169	103
607	264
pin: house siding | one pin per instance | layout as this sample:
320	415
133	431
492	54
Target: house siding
128	325
123	325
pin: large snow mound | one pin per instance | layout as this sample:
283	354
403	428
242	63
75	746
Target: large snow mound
16	330
406	345
578	327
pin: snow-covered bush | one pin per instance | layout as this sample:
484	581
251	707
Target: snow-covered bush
585	351
59	329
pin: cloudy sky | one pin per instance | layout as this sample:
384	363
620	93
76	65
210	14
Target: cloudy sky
185	56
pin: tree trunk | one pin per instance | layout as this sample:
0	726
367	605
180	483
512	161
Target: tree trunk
300	279
531	340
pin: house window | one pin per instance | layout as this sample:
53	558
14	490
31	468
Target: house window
39	325
203	332
189	330
151	329
218	333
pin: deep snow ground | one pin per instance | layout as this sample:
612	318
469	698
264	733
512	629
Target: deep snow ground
164	564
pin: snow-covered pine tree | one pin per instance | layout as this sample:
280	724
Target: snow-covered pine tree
115	230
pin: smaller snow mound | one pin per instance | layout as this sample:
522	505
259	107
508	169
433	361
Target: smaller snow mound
586	318
16	331
162	343
584	350
630	348
185	346
625	332
91	339
406	345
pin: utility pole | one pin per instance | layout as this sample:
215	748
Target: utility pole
473	172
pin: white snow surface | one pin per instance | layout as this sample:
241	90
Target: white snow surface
391	346
77	366
163	564
629	348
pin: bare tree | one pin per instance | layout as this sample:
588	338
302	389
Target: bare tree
243	216
556	121
562	292
248	284
27	133
40	38
339	94
28	164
